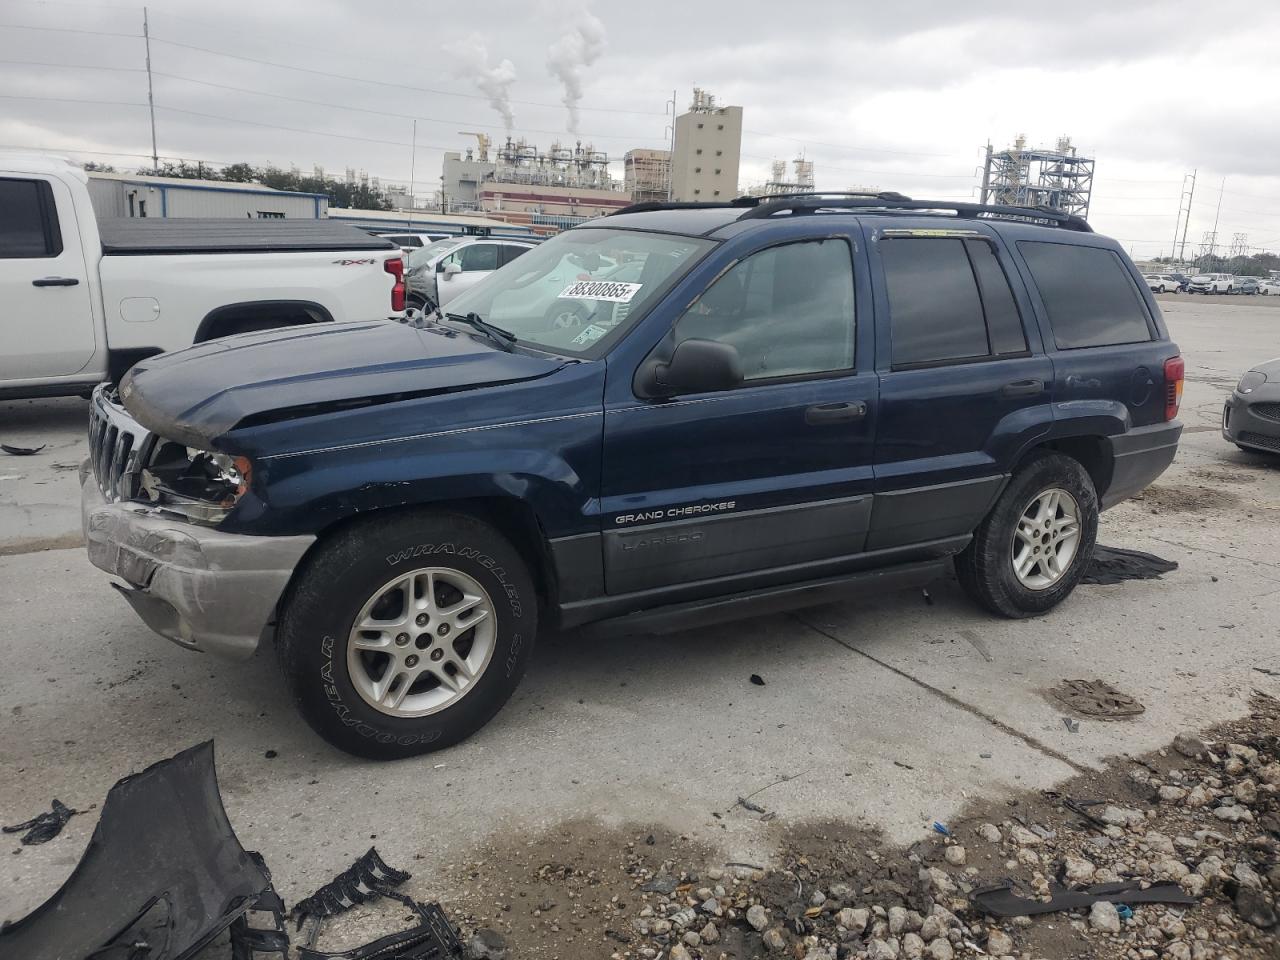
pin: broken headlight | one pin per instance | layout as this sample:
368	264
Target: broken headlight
200	485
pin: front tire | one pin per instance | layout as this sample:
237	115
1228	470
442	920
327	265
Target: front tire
406	634
1031	550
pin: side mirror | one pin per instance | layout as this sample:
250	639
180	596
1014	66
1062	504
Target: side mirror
697	366
450	270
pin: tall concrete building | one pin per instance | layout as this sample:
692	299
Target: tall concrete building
708	148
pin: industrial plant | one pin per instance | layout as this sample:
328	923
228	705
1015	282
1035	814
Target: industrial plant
1059	178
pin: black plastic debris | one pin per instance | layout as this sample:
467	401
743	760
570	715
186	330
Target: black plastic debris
162	876
368	879
21	451
1116	565
250	942
45	827
757	680
1001	901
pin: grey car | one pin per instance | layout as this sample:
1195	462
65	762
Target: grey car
1251	419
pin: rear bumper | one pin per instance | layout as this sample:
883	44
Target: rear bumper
203	589
1240	424
1139	457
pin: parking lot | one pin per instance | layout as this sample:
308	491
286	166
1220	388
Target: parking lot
889	714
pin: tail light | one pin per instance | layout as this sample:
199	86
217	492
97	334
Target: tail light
1174	372
395	267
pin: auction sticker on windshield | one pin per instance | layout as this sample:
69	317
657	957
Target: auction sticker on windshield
611	291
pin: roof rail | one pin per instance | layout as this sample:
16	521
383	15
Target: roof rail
810	203
648	206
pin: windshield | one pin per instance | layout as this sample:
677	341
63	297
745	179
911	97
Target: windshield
424	255
570	293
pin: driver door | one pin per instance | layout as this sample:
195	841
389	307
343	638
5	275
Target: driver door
767	480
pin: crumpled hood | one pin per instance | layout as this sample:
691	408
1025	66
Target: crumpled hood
198	394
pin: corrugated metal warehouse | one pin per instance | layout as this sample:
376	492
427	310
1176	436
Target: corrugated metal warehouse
125	195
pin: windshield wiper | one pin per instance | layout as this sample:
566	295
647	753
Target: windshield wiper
503	338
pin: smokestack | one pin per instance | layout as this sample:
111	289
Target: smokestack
472	59
568	58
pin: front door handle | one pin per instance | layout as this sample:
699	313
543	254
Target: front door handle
1023	388
55	282
824	413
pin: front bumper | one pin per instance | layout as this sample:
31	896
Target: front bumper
1243	425
1138	458
203	589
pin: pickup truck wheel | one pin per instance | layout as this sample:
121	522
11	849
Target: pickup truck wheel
402	636
1033	547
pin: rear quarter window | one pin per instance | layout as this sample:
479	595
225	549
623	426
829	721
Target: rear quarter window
28	223
1089	296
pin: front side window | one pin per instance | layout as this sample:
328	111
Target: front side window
949	301
422	256
478	256
28	224
1089	296
788	310
576	293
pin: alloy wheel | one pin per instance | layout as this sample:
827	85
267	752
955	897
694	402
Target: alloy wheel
1046	539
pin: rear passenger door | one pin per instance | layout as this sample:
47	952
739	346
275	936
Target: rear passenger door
964	384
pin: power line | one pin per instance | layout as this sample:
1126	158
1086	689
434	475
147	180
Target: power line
88	33
70	66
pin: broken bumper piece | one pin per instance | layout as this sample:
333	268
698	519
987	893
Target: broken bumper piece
162	876
201	588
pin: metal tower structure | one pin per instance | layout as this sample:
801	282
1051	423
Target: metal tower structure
1239	246
1057	178
1179	250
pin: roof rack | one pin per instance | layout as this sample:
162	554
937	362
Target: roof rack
760	208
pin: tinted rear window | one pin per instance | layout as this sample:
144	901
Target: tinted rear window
28	225
1088	294
934	305
1003	321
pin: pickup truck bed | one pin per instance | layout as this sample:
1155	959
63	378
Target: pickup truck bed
126	236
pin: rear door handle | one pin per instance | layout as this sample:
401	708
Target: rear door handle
1023	388
55	282
823	413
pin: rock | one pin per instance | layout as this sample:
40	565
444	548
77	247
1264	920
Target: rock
1246	792
858	919
757	916
692	938
1233	766
1203	951
1177	950
1172	927
991	833
1104	917
679	952
1121	816
1024	837
1168	868
912	946
1157	842
711	905
882	950
1234	814
1254	909
665	885
1242	752
1198	797
660	928
954	855
1270	774
932	928
1078	869
940	949
817	898
1171	794
683	918
710	933
938	881
1246	876
1189	745
1028	857
1194	884
897	920
486	944
999	943
774	939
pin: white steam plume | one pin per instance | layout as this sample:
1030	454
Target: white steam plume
567	59
472	59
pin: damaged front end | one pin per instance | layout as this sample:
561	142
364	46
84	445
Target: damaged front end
163	875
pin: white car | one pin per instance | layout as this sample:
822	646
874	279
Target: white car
1161	282
85	300
1212	283
440	271
1269	287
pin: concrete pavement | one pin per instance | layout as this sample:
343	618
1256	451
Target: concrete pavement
659	730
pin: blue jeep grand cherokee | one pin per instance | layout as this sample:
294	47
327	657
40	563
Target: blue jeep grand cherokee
747	406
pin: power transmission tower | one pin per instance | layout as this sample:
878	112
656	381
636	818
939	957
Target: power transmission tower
1179	251
1239	249
151	99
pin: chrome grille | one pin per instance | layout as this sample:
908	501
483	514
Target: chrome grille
118	447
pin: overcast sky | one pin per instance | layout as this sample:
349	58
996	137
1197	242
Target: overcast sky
901	95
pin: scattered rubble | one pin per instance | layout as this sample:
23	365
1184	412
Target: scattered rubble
1113	841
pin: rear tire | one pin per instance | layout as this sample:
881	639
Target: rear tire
986	568
423	677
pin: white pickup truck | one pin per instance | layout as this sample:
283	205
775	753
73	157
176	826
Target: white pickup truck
83	300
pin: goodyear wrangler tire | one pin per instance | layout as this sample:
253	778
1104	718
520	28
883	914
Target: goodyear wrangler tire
406	634
1031	550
